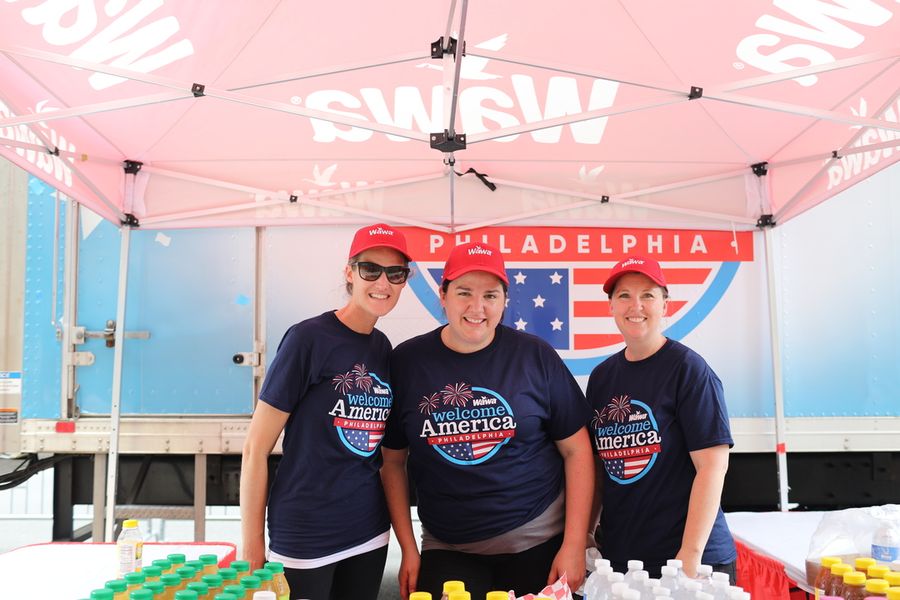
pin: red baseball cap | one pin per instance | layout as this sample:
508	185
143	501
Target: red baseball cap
635	264
379	234
476	256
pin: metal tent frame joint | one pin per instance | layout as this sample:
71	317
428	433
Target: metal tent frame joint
604	199
438	50
760	169
198	89
444	141
293	199
132	167
765	221
129	220
695	93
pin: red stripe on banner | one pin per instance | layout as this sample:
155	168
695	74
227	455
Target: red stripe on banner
440	440
781	448
357	424
600	308
673	275
586	341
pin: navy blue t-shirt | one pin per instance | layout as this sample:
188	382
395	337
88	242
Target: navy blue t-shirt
648	415
327	494
480	428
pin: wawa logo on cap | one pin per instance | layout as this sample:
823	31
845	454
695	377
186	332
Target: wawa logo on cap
556	277
379	234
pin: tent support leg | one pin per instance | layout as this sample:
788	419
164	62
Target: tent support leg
116	409
780	444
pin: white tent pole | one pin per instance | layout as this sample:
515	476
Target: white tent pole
448	29
90	109
852	61
460	44
568	70
803	111
569	119
799	193
841	152
112	465
780	441
289	77
70	305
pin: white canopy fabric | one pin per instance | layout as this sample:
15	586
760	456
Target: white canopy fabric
629	113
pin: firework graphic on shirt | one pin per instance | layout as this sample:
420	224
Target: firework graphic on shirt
627	438
429	404
360	435
456	394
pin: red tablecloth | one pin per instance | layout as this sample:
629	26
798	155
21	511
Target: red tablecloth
764	577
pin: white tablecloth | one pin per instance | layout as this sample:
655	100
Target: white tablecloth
783	536
69	571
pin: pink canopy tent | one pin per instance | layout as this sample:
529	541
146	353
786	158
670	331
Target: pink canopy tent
449	115
711	114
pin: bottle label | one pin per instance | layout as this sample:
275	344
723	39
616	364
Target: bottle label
885	553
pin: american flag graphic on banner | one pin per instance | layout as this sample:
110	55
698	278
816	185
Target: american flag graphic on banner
566	306
470	450
626	468
363	440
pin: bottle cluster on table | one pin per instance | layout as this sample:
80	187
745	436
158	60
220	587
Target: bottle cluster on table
861	578
636	584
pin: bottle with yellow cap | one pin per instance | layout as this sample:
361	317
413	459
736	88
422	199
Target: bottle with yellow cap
835	585
420	596
452	586
129	547
893	593
876	588
854	586
497	595
893	578
862	563
877	572
824	574
460	595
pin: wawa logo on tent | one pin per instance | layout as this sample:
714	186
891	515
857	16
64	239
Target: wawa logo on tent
506	102
556	279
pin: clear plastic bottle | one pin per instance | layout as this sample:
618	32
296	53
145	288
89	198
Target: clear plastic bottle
886	541
633	567
129	547
265	595
704	576
596	588
688	591
282	589
618	589
669	579
719	576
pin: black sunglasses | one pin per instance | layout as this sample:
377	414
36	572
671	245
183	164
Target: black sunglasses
372	271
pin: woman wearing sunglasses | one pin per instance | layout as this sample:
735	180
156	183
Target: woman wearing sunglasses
493	427
328	390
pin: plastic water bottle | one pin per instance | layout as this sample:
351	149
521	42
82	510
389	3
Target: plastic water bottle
886	541
679	566
719	576
129	547
264	595
633	567
719	589
669	579
688	591
597	585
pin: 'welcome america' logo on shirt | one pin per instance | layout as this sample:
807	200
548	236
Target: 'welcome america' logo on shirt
627	438
466	425
362	410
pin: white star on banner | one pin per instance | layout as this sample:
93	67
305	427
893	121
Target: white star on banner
555	278
520	324
520	278
538	301
556	324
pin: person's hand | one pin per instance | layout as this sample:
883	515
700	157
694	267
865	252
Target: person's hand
690	561
409	573
255	553
569	560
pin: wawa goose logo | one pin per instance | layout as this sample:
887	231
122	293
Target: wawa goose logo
556	278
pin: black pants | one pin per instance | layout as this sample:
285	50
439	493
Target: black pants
524	572
354	578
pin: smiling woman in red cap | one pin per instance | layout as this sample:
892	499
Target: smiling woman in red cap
328	389
492	426
661	431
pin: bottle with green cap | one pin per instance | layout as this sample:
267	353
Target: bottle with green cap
134	580
225	596
265	578
197	565
241	566
157	587
229	577
279	581
213	582
129	547
152	572
119	589
200	588
185	595
187	574
210	563
140	594
251	583
236	590
177	561
172	581
104	594
164	564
